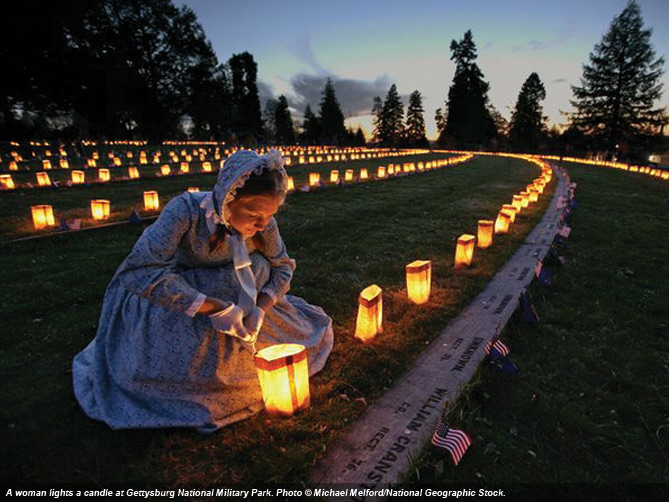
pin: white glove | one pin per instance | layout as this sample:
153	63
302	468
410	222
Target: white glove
230	321
253	321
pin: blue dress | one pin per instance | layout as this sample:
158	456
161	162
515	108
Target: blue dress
153	363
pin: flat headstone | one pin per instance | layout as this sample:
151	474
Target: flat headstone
377	451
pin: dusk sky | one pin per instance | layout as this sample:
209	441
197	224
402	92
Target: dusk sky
366	46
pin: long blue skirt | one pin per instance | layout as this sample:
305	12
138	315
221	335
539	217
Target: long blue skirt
152	367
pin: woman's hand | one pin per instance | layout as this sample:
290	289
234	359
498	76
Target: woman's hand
253	322
231	322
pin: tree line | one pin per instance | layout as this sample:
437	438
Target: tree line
114	69
614	104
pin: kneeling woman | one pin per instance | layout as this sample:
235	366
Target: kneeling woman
204	286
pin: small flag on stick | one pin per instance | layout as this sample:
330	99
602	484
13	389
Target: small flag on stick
496	348
561	202
527	308
538	267
565	231
558	240
553	258
502	365
545	276
453	440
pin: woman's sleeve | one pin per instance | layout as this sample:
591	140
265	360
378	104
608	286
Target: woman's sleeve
149	269
282	267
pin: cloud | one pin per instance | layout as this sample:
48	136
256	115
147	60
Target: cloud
303	51
265	92
356	97
536	45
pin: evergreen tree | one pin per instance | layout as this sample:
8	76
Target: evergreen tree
269	120
360	137
527	122
285	134
501	126
311	127
124	68
247	118
350	137
469	124
377	120
615	101
331	117
440	120
391	128
415	130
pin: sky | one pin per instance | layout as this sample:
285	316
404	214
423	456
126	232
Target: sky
365	46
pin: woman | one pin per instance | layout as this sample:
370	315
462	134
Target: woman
202	289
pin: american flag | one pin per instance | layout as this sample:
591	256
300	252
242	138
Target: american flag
565	231
545	277
454	440
537	268
499	346
529	312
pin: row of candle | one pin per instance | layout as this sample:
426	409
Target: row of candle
43	217
419	273
650	171
381	172
283	369
100	208
300	157
78	177
104	175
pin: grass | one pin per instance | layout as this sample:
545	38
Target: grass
591	401
343	240
126	195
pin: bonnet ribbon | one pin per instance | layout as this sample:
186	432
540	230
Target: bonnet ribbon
240	257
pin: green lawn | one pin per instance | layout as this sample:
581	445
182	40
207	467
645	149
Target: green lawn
343	240
126	195
591	401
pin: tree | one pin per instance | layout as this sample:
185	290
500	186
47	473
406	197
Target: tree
247	118
440	120
138	67
415	129
360	137
123	68
377	120
331	117
501	124
311	128
269	120
285	134
527	122
619	86
468	122
391	127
